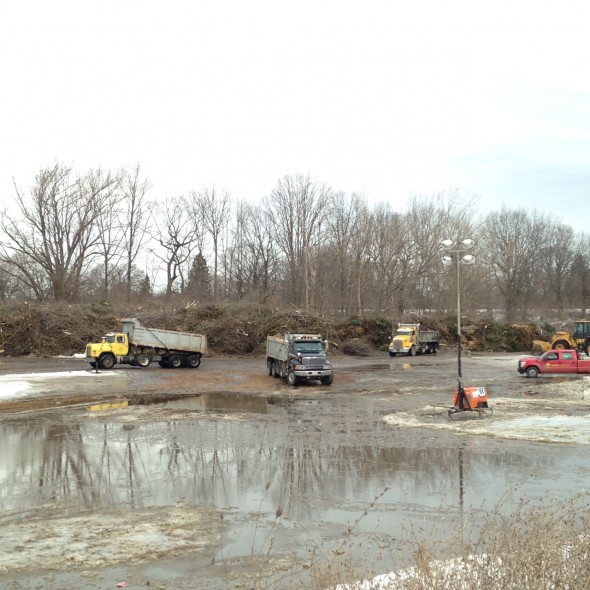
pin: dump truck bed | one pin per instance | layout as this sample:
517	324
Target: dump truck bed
163	339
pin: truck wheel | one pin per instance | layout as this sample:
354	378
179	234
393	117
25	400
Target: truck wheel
107	361
291	378
532	371
143	360
275	369
269	367
175	361
412	351
328	380
193	361
561	345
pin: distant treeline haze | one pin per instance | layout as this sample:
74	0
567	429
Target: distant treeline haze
111	236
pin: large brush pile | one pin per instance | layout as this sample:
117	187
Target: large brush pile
231	329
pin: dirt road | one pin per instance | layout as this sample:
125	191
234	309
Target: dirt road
226	477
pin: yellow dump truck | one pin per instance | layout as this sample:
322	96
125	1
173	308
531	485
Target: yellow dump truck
138	346
411	339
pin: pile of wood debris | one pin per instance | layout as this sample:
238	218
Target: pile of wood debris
232	329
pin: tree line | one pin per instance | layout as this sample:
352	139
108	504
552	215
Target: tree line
105	235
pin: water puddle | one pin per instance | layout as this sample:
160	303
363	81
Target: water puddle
260	465
394	366
269	475
219	402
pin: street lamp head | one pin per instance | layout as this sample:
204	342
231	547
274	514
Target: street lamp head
468	259
467	244
447	260
447	244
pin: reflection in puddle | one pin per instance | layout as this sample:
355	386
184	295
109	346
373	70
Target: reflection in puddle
220	402
369	367
250	468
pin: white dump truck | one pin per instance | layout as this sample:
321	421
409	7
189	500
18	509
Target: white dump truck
138	346
298	357
411	339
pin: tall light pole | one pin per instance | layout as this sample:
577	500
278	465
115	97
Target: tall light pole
458	251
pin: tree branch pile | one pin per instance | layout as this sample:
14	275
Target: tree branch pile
234	329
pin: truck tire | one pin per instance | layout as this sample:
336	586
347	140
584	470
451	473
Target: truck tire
292	378
269	367
561	345
282	370
412	351
143	360
193	361
532	371
328	380
106	361
275	369
175	361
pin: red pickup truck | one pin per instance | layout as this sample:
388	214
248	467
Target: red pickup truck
554	361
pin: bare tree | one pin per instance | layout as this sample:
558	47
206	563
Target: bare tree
428	220
390	255
298	206
345	218
57	232
252	258
110	236
213	209
579	280
136	214
555	260
176	234
513	240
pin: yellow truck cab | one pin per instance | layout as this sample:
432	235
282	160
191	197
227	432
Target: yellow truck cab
411	339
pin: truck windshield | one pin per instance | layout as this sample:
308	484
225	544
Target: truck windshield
403	332
308	347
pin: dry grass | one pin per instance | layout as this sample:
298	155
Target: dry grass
539	546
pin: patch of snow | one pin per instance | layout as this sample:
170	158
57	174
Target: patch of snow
23	384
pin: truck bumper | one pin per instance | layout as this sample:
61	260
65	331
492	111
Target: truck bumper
312	374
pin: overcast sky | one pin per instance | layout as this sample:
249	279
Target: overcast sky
383	98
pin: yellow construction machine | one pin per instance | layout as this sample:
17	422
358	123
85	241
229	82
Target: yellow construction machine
579	339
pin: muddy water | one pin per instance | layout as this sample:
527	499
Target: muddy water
280	475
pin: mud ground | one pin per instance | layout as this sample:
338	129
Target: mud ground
377	403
